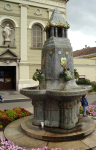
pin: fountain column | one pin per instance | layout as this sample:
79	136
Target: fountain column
62	32
56	32
66	36
51	113
52	31
68	115
38	112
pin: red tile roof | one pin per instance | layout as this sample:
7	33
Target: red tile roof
84	51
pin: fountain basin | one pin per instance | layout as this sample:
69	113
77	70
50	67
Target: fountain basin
56	108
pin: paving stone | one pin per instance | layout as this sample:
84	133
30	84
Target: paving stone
77	145
89	141
94	148
28	142
2	135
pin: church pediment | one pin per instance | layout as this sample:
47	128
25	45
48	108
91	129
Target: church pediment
8	54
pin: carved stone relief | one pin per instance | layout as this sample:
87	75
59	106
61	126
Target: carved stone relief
8	7
38	12
7	32
50	2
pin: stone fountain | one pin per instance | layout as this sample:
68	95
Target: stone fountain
55	101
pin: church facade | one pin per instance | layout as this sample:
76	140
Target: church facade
22	37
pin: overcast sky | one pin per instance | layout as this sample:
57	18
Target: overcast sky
81	15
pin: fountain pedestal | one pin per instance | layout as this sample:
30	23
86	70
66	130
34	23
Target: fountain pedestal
55	102
55	108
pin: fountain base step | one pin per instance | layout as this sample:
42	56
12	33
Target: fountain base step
85	126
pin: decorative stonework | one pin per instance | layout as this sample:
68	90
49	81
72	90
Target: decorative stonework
8	7
7	31
63	62
9	18
38	12
43	63
57	20
50	52
70	104
76	74
35	22
59	52
59	24
38	75
50	2
67	53
65	75
23	5
65	105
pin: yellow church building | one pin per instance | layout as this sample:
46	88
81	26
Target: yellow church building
22	37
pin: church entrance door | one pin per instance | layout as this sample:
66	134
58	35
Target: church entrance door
7	77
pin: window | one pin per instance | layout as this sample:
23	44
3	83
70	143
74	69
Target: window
36	36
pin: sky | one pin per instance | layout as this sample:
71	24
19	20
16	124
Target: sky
81	16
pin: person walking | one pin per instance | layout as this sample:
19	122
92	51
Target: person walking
1	98
84	103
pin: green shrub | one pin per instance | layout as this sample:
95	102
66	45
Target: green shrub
87	82
23	114
11	113
93	86
1	126
7	116
84	81
17	108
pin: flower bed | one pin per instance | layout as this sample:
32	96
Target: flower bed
91	110
7	116
8	145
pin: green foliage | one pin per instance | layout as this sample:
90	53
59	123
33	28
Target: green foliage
0	113
17	108
93	86
1	126
23	114
11	113
88	82
84	81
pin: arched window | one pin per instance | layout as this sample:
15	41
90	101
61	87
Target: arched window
37	36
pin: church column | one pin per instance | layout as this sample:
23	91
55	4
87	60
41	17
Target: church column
50	12
24	80
0	35
23	32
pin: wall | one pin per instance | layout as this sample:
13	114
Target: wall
86	67
30	57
